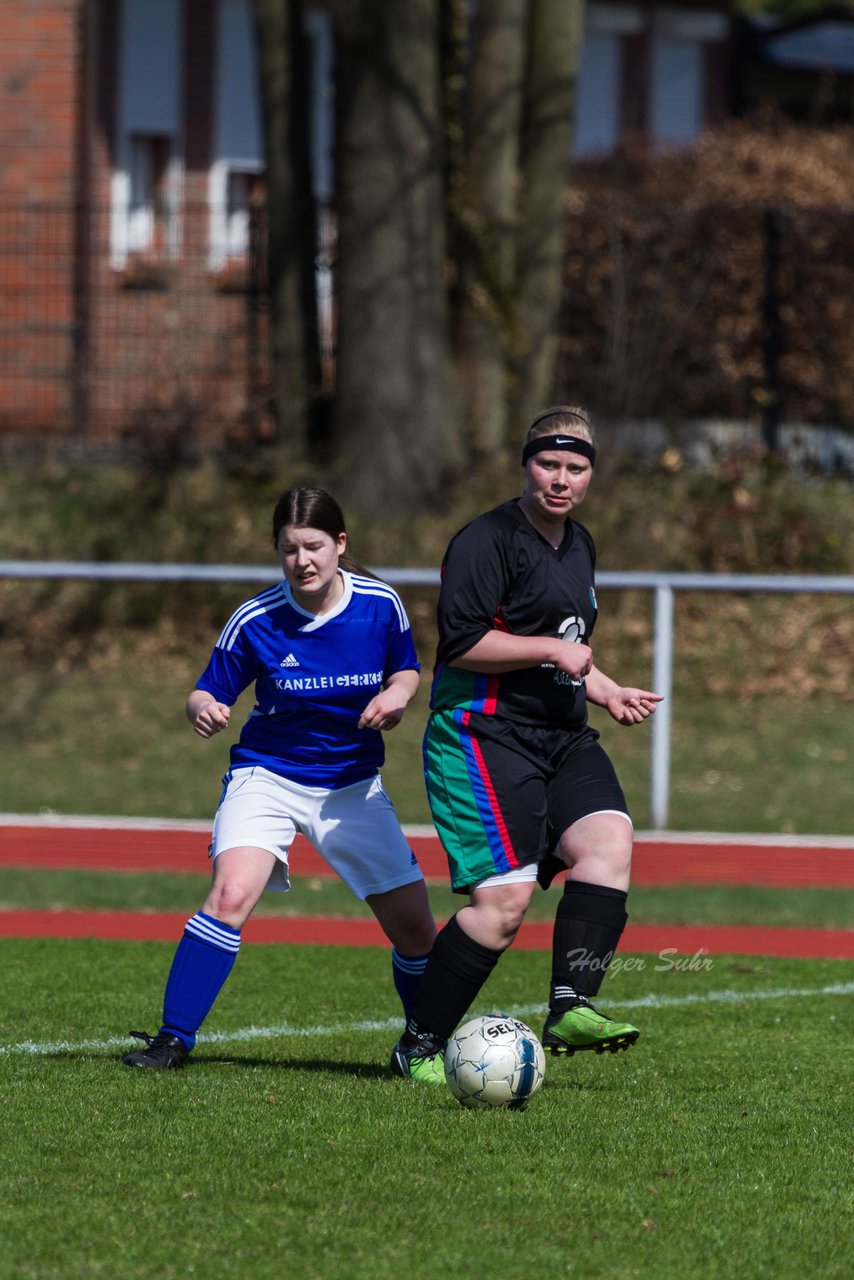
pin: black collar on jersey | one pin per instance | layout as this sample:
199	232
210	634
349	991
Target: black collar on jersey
571	444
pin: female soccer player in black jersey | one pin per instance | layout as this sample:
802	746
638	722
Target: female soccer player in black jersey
519	786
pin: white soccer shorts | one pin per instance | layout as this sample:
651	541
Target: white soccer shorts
355	829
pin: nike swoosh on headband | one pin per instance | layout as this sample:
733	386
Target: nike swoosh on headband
541	444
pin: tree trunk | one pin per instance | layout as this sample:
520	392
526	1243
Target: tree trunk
487	210
393	365
554	50
290	216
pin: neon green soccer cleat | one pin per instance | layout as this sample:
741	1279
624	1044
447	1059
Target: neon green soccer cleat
421	1061
584	1028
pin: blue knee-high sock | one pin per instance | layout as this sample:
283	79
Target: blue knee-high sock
407	972
202	962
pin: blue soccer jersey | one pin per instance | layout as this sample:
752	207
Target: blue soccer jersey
313	675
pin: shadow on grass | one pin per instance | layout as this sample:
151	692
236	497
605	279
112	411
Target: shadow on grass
363	1070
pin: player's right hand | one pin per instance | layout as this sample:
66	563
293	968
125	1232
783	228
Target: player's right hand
574	658
212	718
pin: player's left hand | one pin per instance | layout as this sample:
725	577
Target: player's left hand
631	706
383	712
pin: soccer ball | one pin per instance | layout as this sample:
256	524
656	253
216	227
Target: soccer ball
494	1061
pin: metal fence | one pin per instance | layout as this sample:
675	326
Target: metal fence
96	348
663	586
731	312
673	314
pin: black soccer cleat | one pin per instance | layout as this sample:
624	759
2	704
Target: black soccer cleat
163	1051
419	1058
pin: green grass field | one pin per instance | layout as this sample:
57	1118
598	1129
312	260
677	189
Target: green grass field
719	1147
113	740
317	896
761	708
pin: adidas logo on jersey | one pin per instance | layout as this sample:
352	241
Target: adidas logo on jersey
289	661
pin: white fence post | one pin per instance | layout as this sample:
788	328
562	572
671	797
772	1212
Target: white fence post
662	584
662	682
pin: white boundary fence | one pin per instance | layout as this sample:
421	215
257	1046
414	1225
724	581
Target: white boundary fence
663	585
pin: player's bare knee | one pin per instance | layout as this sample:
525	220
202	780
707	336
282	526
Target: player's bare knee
412	931
598	849
423	934
506	917
499	911
230	903
417	940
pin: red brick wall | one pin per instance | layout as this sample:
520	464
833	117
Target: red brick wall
38	99
39	61
82	350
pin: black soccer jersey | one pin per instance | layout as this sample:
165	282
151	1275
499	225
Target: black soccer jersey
499	573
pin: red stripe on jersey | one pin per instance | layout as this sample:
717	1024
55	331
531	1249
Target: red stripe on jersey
490	701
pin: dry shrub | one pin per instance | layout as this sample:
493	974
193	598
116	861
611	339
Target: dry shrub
666	277
742	166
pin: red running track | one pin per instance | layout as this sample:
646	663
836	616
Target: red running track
689	860
334	931
676	861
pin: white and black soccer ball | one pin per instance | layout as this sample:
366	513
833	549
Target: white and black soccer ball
494	1061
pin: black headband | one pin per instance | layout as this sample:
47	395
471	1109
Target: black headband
571	444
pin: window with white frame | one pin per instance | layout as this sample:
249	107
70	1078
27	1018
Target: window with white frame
237	169
149	159
677	90
147	173
243	189
317	26
238	164
674	66
598	118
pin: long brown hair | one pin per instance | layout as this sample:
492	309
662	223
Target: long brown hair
306	508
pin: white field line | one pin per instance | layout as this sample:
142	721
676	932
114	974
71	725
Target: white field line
47	1048
107	823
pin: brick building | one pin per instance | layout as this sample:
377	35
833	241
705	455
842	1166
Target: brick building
130	174
40	137
131	145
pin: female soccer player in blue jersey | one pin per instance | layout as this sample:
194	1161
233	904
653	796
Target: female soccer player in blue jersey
519	786
331	654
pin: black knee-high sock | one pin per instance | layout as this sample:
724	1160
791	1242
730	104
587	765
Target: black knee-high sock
589	921
457	969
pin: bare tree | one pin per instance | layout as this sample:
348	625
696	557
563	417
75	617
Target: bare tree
554	49
291	234
453	127
507	208
392	391
487	209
